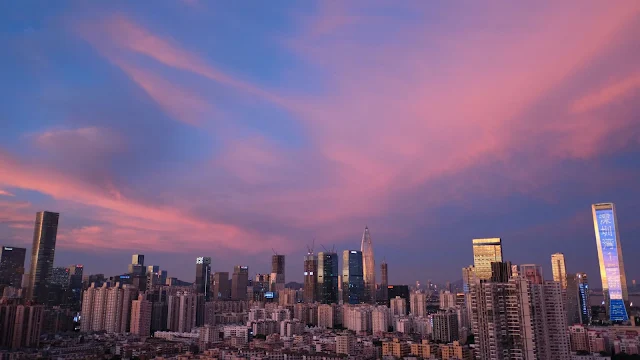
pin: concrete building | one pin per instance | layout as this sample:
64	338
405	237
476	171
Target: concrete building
12	266
141	310
181	314
240	282
380	319
447	300
445	326
220	286
559	269
486	251
398	306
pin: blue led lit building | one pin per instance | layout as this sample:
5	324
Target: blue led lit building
614	282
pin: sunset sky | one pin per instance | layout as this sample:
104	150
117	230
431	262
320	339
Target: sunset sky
180	129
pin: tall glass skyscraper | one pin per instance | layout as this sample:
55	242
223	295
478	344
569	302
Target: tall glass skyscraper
352	277
369	267
486	251
328	277
384	272
42	254
203	276
558	269
614	281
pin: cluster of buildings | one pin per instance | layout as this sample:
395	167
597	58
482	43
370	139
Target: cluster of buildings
502	311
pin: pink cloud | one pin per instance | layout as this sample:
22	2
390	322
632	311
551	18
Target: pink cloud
5	193
607	95
85	139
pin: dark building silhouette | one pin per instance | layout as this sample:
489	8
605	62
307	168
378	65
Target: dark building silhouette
352	277
239	283
12	266
203	276
328	277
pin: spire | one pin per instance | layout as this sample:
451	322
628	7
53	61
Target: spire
368	266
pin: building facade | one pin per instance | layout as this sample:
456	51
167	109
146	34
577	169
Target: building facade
352	277
559	269
12	266
203	277
42	255
486	251
310	289
239	283
328	277
368	267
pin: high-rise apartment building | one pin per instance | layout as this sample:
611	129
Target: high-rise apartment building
399	290
614	280
368	267
107	308
352	277
558	269
141	311
384	272
398	306
20	326
239	283
181	315
42	255
578	307
203	276
220	285
447	300
328	277
445	326
418	303
277	273
12	266
486	251
310	290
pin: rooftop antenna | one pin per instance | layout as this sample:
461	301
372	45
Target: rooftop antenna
325	249
311	248
274	251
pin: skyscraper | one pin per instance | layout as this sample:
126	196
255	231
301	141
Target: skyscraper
368	266
203	276
614	281
486	251
137	265
310	291
42	254
559	270
221	290
352	277
328	277
578	308
277	273
239	283
384	271
12	266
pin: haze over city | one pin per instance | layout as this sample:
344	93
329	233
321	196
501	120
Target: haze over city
232	131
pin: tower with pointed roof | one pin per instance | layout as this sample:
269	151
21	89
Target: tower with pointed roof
368	267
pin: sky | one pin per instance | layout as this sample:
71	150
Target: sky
235	129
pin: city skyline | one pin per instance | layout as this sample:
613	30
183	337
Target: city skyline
150	137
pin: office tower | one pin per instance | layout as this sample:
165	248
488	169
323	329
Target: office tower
12	266
384	271
181	315
277	273
445	326
418	304
447	300
220	286
203	276
578	308
398	306
614	281
310	277
59	276
75	276
486	251
368	267
240	282
398	290
141	310
500	271
42	254
137	265
328	277
532	272
558	269
352	277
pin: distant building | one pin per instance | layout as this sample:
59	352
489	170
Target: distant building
12	266
181	314
418	303
60	276
369	267
310	277
384	271
203	276
578	307
352	277
445	326
559	269
398	306
398	290
137	265
240	282
486	251
42	255
221	290
20	326
277	272
141	311
328	277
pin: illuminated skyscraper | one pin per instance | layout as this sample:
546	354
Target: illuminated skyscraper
368	267
486	251
352	277
614	281
328	277
203	276
277	273
310	291
559	270
578	308
42	254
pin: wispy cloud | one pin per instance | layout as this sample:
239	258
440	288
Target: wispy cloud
5	193
608	94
